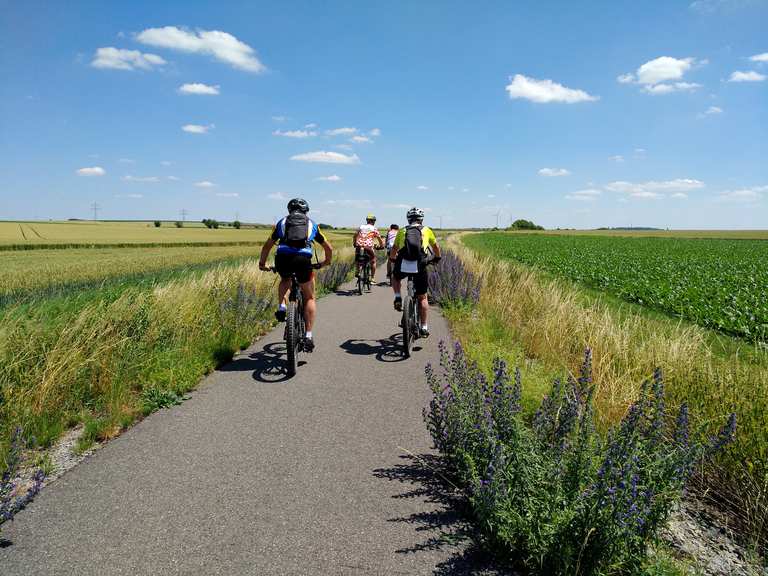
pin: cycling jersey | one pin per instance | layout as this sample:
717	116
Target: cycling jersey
391	238
428	238
315	235
366	235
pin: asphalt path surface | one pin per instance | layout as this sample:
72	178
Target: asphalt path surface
328	472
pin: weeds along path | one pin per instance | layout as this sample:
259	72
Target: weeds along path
258	474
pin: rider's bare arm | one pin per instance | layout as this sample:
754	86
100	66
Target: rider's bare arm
354	238
436	250
328	252
265	253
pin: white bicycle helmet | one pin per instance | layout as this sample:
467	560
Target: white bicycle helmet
415	214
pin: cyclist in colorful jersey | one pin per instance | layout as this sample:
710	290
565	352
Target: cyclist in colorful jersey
415	246
294	236
365	238
391	234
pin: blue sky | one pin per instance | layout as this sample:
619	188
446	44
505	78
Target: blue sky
573	114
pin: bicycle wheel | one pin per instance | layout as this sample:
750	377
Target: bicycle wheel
368	276
406	324
360	282
292	336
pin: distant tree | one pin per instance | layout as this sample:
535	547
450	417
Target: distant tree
157	223
237	224
522	224
325	226
210	223
179	224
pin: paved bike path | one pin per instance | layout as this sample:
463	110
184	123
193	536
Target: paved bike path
259	474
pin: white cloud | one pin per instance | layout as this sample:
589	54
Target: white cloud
127	161
398	206
713	110
310	126
375	132
588	195
422	187
640	151
173	178
744	195
327	157
654	188
618	158
350	203
279	118
361	139
663	75
343	146
759	57
120	59
346	131
227	194
331	178
205	184
129	195
545	91
679	195
91	171
294	133
277	196
198	88
491	195
749	76
551	172
669	88
221	45
197	128
165	162
129	178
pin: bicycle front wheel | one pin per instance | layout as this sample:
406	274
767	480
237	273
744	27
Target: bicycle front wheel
406	324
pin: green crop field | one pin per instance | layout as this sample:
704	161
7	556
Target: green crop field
717	283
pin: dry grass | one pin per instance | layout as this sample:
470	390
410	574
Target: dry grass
553	322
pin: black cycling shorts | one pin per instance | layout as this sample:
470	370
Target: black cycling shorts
420	278
287	263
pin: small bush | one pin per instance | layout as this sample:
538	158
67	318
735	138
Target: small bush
153	399
551	495
330	278
237	224
13	499
179	224
157	223
452	283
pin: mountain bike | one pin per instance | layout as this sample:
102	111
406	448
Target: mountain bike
410	319
295	328
364	275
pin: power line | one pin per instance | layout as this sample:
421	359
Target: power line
95	207
183	212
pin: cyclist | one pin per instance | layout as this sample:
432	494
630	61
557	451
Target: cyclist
415	246
363	241
294	236
391	234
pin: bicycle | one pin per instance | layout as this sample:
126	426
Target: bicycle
364	275
410	319
295	328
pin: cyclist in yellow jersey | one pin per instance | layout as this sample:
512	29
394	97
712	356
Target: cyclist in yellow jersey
415	246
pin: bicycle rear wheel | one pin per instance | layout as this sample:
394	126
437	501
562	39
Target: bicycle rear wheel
292	335
368	276
406	324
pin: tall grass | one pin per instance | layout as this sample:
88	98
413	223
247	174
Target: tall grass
551	322
96	360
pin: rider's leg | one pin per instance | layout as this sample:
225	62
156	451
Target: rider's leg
310	304
372	256
423	308
282	290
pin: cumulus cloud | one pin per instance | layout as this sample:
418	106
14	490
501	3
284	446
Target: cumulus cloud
545	91
199	88
617	158
325	157
331	178
346	131
749	76
551	172
679	196
173	178
361	139
663	75
422	187
196	128
744	195
588	195
227	194
205	184
759	57
91	171
120	59
310	126
375	132
655	188
130	178
294	133
221	45
713	110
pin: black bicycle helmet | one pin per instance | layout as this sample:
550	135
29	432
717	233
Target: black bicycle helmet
298	205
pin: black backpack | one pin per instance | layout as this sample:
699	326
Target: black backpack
296	230
412	249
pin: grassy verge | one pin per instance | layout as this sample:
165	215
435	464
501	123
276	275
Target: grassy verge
544	324
107	358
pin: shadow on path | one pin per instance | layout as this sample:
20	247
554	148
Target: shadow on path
385	349
446	525
267	365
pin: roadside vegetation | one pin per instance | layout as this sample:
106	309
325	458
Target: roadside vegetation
542	324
